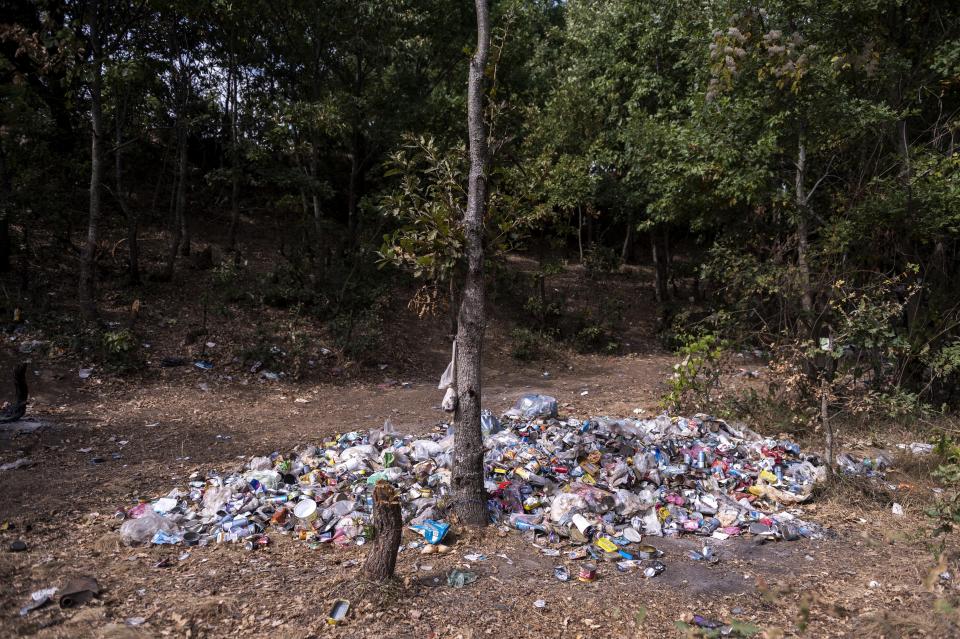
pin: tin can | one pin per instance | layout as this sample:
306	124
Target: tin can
588	572
338	612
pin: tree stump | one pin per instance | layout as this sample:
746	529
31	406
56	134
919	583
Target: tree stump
387	524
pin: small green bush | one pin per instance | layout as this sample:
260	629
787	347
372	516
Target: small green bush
600	260
120	350
594	338
526	345
697	375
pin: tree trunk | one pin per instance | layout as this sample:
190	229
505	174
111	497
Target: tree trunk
827	426
354	183
314	171
659	256
133	263
470	497
803	231
5	243
182	215
87	289
580	231
387	524
179	200
6	197
453	309
232	100
627	242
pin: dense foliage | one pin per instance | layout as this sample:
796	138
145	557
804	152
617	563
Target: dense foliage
789	165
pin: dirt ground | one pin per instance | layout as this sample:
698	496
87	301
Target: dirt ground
100	443
869	575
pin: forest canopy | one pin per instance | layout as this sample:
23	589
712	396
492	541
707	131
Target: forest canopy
790	166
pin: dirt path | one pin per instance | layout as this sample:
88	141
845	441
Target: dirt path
163	430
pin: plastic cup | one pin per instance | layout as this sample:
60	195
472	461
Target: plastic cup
306	510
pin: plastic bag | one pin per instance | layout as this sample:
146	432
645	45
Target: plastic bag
424	449
489	424
260	463
565	504
449	402
141	530
364	452
598	501
531	406
268	478
651	523
449	377
215	499
629	504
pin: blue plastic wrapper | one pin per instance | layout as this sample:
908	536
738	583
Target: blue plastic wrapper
164	538
432	531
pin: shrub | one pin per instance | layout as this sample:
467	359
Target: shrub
120	350
526	345
697	375
600	260
594	338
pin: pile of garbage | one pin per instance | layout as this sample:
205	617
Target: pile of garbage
601	483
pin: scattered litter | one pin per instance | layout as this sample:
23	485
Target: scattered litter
29	346
18	545
460	578
84	373
432	531
917	448
338	612
601	484
38	599
19	463
897	510
203	364
540	604
474	557
705	554
78	591
850	464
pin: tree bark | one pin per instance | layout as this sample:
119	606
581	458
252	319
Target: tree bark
133	263
388	525
470	497
353	195
803	231
232	100
179	200
6	197
580	231
314	173
627	242
87	289
185	239
659	255
827	426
